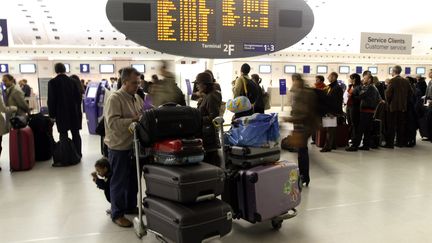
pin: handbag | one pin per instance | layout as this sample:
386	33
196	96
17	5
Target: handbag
295	140
65	153
19	122
267	100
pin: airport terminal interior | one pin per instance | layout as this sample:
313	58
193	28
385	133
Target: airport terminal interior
376	195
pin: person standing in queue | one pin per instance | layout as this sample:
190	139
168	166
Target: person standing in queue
25	88
122	109
245	86
335	95
209	106
428	93
3	124
64	106
369	98
397	95
353	105
14	97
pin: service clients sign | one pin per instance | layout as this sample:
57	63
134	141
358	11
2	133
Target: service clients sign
382	43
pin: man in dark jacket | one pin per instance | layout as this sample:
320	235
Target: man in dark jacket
397	94
428	92
64	105
421	85
335	96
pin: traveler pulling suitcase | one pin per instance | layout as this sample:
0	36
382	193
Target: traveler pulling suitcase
266	192
178	152
21	149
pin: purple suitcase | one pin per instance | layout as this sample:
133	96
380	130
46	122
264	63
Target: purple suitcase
268	191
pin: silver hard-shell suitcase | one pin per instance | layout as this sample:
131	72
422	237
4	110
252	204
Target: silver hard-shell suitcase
247	157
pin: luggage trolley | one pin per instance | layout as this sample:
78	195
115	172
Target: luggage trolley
138	223
276	222
139	226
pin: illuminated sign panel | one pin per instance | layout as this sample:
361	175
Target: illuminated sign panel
212	28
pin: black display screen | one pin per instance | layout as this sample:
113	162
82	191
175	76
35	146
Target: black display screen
136	12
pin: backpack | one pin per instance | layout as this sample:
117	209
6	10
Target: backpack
253	92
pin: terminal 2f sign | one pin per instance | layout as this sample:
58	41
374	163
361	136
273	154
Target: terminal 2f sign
382	43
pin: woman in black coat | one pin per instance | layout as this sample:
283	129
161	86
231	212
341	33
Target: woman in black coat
209	106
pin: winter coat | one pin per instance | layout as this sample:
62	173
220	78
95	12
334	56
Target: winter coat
64	103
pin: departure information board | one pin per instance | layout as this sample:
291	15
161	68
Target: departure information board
212	28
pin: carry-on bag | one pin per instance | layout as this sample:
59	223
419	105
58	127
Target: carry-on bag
376	137
425	123
168	122
42	128
178	152
341	136
248	156
179	145
187	223
234	195
65	153
230	193
21	149
184	184
268	191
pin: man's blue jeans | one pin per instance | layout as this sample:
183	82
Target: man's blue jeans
124	183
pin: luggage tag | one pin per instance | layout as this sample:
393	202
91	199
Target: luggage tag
329	122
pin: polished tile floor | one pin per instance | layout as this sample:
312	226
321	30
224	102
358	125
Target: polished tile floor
376	196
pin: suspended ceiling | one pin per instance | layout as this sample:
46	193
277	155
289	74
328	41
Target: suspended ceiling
338	24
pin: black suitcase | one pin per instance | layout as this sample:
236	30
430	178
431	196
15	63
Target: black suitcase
230	193
376	137
169	122
184	184
425	124
187	223
42	128
247	157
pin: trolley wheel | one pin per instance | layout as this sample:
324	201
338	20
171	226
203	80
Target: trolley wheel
139	235
277	224
160	239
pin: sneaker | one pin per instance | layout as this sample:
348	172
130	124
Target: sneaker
123	222
351	149
324	150
364	148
